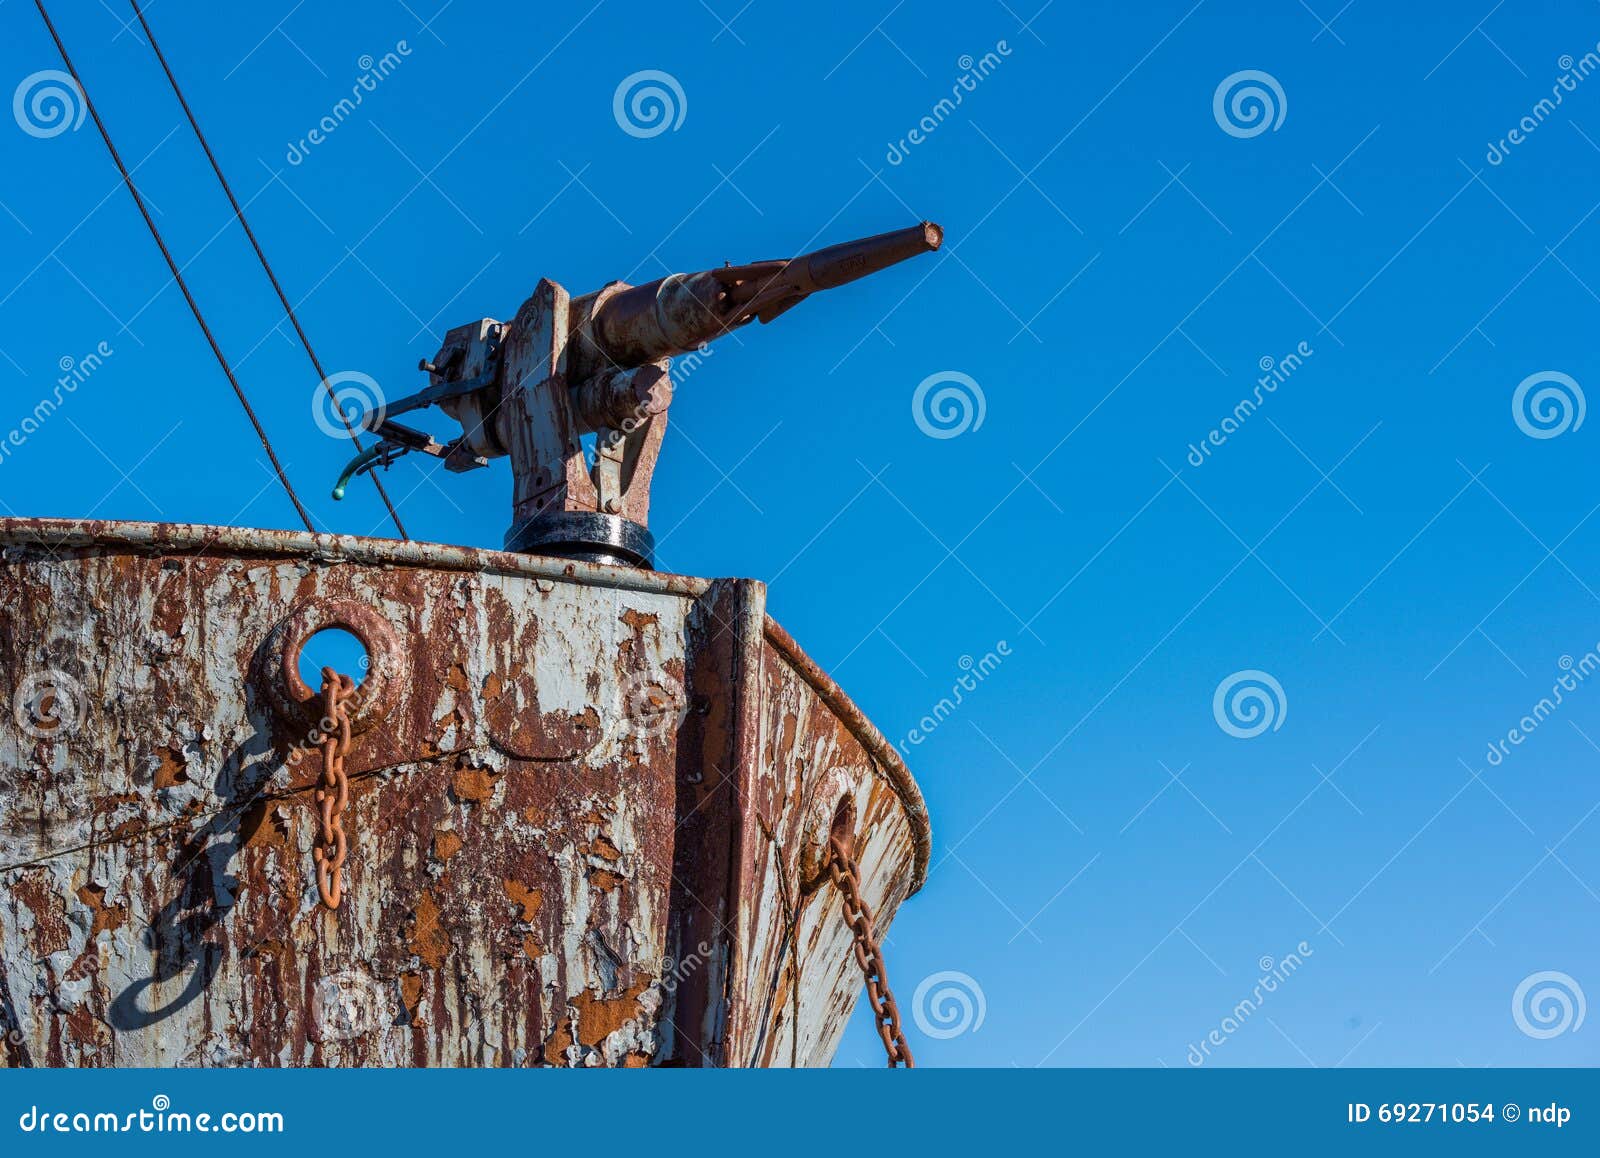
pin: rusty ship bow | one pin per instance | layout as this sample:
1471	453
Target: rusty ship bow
589	821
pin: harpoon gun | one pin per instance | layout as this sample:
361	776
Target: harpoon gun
600	364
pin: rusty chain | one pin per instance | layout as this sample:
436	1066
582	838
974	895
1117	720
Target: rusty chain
333	789
846	877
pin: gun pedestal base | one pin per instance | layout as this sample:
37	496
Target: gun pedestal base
587	536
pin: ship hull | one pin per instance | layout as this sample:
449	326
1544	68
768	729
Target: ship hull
588	810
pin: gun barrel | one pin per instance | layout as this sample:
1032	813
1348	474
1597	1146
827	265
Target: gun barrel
839	265
680	312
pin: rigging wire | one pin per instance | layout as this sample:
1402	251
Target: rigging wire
238	212
177	275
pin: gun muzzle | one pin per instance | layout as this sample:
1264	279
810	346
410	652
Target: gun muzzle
683	311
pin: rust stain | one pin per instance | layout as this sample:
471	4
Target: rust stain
511	846
170	769
274	947
428	939
473	785
530	899
265	824
455	719
559	1042
84	1026
106	917
601	848
170	611
599	1017
411	997
51	933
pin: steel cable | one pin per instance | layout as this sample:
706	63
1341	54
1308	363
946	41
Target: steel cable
177	275
238	212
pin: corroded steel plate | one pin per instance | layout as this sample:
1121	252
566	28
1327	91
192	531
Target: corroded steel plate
587	810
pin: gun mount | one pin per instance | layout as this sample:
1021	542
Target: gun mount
564	368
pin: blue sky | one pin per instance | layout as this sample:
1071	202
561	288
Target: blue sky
1379	534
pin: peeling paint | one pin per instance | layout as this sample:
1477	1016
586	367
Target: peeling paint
541	872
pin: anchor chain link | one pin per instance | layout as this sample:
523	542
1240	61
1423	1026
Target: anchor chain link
333	788
846	877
